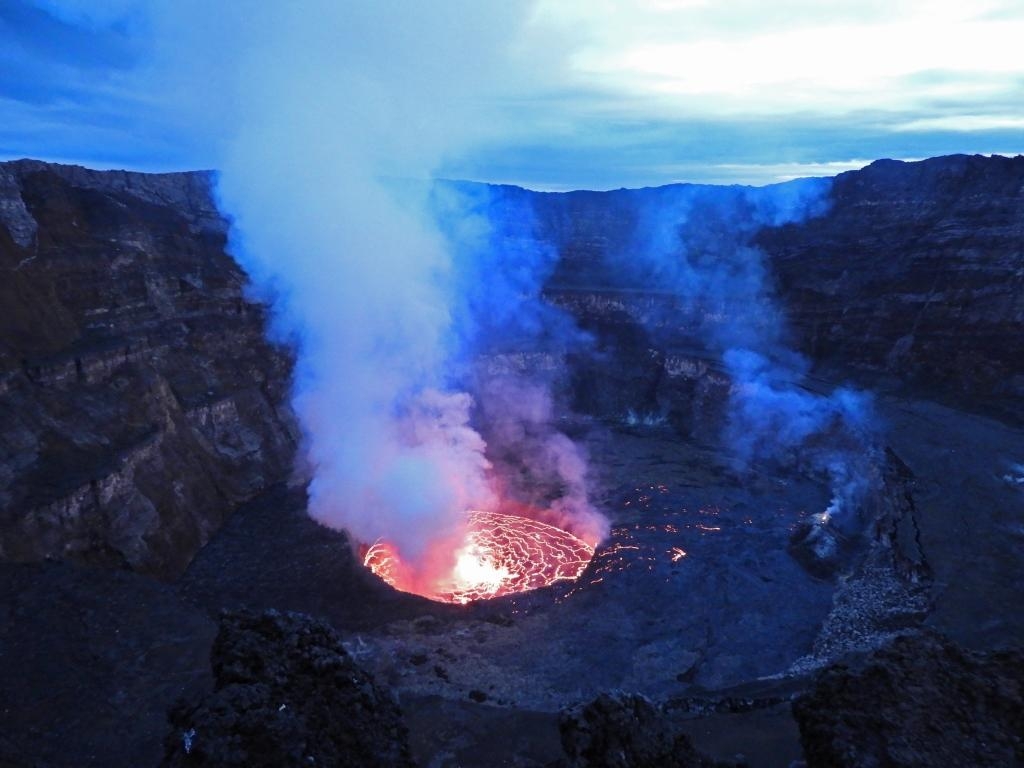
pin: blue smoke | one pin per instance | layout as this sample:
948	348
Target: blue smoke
501	266
317	104
509	345
698	242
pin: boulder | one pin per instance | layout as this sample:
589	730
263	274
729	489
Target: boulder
920	700
286	693
618	730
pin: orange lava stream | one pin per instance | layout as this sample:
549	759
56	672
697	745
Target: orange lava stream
501	554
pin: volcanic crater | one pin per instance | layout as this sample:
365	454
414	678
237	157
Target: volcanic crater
157	410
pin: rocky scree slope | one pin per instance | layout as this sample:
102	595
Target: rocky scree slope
139	399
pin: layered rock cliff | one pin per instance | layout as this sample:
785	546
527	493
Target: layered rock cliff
140	401
917	270
909	270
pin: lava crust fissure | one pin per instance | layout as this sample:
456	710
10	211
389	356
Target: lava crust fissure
500	555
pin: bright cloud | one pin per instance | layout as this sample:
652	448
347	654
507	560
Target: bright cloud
692	58
595	93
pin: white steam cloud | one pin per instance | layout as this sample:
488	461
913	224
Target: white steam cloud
697	241
330	118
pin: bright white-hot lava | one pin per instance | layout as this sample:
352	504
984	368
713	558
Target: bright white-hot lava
501	554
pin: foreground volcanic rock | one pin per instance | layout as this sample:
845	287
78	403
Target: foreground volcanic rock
286	694
921	700
626	731
139	400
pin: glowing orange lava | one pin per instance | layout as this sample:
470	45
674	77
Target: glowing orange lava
501	554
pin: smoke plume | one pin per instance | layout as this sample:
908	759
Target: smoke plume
329	120
696	242
512	345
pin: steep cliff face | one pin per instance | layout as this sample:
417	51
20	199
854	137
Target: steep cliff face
139	399
917	269
911	269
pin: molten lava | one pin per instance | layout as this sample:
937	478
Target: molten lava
500	555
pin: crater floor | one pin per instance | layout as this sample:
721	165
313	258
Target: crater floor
104	654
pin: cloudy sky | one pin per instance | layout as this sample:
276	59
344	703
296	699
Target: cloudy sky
590	93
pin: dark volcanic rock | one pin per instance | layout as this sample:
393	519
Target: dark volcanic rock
626	731
917	269
140	402
817	545
895	521
286	694
90	661
919	701
912	269
823	546
139	399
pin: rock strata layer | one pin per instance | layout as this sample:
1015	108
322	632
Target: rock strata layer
140	401
913	270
